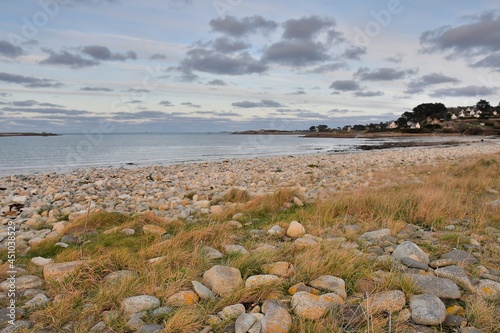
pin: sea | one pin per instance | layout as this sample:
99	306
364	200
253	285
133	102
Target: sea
34	154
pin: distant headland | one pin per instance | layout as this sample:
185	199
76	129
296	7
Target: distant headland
3	134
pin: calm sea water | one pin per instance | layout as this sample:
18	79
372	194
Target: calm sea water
25	155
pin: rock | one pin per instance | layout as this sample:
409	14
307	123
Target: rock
151	328
297	202
24	282
99	327
471	330
331	283
411	263
460	256
276	230
456	274
212	253
61	244
303	243
489	289
455	321
20	199
375	236
235	224
39	299
216	209
139	303
235	249
442	288
309	306
282	269
152	229
222	280
385	301
427	310
41	262
365	286
183	298
410	250
295	230
116	277
203	292
135	321
61	270
276	318
442	263
244	322
233	311
256	281
128	231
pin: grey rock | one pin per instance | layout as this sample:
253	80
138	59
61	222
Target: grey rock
99	327
427	309
276	230
331	283
115	278
139	303
244	322
456	274
460	256
233	311
151	328
260	280
375	236
276	319
489	289
455	321
39	299
410	250
385	301
203	292
222	280
135	321
212	253
442	263
309	306
409	262
441	287
22	283
235	249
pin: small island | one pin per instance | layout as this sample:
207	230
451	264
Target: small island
5	134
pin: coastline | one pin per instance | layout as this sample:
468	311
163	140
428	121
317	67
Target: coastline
9	134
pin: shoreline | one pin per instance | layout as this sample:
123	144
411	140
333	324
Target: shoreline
10	134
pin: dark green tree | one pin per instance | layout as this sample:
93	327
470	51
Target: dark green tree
322	128
312	128
483	105
432	110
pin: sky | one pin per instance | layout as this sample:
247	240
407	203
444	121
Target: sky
79	66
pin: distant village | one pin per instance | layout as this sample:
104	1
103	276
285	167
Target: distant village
480	119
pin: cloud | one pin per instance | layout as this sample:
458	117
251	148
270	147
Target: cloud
296	53
134	90
135	101
9	50
306	27
491	61
397	58
235	27
383	74
298	92
31	102
104	54
29	81
226	45
418	85
64	58
191	105
332	67
209	61
265	103
96	89
469	91
46	111
158	56
165	103
354	52
368	93
216	82
345	85
478	36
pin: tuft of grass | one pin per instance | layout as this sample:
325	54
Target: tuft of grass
237	195
95	221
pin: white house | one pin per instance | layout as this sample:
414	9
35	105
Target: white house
461	114
495	113
454	117
393	125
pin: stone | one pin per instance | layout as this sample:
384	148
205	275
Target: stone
99	327
471	330
441	287
441	263
135	320
244	322
303	243
410	250
297	202
41	262
116	277
151	328
222	280
427	310
24	282
460	256
235	249
276	230
203	292
139	303
489	289
20	199
235	224
456	274
128	231
376	235
186	297
211	253
385	301
411	263
39	299
331	283
152	229
302	287
295	230
233	311
282	269
276	318
256	281
216	209
309	306
455	321
61	270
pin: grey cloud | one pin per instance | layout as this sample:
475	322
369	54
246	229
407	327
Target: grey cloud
469	91
418	85
397	58
235	27
296	53
306	27
9	50
165	103
342	111
368	93
135	101
64	58
134	90
217	82
345	85
141	115
265	103
472	38
46	111
103	53
31	102
158	56
333	67
491	61
2	94
29	81
383	74
354	52
298	92
96	89
226	45
209	61
191	105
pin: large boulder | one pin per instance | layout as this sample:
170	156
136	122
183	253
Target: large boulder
222	280
427	309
